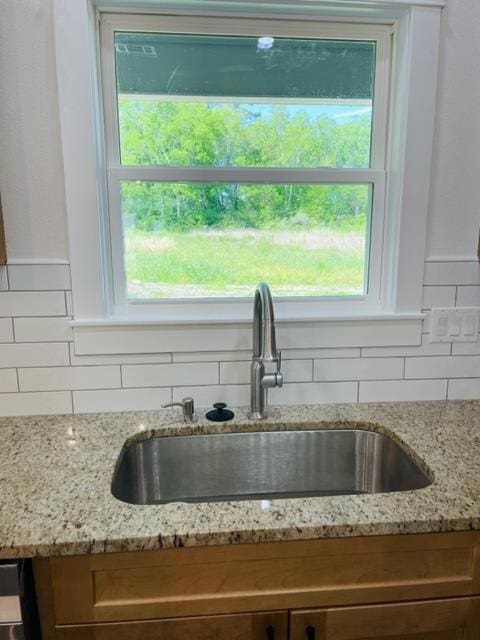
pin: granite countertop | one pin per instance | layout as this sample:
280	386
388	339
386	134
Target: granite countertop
55	474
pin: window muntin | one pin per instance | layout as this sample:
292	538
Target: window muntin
374	175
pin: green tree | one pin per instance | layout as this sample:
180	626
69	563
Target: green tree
196	133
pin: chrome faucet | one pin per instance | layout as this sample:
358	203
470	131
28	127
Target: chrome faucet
264	352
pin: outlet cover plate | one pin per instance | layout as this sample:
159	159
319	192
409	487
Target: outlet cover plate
454	325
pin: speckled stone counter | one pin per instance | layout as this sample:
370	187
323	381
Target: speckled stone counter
55	475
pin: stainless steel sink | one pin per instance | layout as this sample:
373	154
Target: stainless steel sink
262	465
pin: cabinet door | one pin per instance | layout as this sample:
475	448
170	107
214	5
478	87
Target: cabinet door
257	626
455	619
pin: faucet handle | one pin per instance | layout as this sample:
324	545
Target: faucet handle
270	380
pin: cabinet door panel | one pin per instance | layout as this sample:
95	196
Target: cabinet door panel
454	619
259	626
228	579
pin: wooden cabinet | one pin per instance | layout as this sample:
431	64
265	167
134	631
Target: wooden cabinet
423	587
257	626
452	619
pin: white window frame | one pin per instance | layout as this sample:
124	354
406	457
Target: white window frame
375	175
102	328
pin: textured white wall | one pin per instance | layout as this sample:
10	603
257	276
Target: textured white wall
30	156
454	217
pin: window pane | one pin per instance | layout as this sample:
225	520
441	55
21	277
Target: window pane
244	101
189	240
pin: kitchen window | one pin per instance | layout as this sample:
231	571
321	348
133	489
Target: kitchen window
241	151
210	144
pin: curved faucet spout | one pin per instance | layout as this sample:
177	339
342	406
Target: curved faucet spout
264	351
264	341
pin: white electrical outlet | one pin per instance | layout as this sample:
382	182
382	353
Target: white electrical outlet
454	325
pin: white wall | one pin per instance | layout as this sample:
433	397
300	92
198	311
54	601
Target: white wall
30	156
454	218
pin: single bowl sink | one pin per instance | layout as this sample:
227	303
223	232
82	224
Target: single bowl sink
263	465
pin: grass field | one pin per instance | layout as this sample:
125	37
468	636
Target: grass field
231	262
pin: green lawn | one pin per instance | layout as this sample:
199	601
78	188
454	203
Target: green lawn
231	262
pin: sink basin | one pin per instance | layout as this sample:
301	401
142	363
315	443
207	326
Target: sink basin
263	465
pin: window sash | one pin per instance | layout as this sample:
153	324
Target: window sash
318	29
170	308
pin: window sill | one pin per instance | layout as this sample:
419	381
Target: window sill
124	336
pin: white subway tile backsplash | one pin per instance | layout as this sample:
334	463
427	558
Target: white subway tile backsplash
31	404
402	390
234	372
36	340
466	348
6	330
443	367
427	348
468	296
239	372
212	356
3	278
314	393
438	297
32	303
464	389
8	380
168	375
452	273
301	354
69	303
234	395
120	400
297	370
358	369
55	329
39	277
39	354
60	378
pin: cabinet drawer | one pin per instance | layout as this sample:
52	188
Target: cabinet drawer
258	626
185	582
453	619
